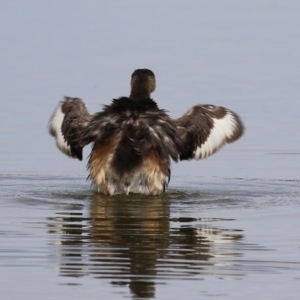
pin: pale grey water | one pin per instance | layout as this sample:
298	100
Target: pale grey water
228	225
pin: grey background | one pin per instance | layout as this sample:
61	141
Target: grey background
243	55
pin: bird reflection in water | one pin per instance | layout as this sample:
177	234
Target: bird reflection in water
133	241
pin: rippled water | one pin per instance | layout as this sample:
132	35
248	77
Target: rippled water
217	237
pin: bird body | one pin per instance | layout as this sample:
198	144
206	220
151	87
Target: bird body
133	141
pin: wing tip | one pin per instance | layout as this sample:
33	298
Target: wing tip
55	129
238	129
56	120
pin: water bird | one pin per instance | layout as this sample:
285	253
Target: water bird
133	140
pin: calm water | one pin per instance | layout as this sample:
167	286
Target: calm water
227	238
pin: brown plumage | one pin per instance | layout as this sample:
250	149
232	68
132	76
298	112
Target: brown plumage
134	141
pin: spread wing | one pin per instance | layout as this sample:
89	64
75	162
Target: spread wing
204	129
67	123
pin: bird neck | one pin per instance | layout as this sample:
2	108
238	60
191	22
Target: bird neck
139	94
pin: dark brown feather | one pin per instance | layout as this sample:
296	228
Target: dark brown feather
143	126
75	121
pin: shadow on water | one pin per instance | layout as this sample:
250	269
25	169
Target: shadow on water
135	242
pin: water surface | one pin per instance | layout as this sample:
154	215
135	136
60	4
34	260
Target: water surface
217	237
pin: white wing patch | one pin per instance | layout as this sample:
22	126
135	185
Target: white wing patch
219	135
55	129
